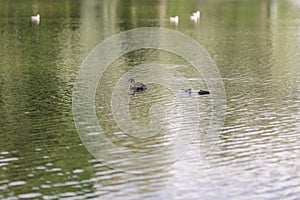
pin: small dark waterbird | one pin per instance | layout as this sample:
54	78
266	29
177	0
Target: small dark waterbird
200	92
203	92
136	86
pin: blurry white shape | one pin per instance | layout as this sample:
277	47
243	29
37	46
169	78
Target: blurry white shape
197	14
195	17
36	19
174	19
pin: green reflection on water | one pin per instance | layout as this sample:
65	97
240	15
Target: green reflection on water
254	43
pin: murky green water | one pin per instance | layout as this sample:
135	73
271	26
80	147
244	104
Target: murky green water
255	45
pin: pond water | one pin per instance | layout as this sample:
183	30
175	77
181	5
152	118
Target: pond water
255	46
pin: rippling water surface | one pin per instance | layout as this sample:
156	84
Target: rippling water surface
255	45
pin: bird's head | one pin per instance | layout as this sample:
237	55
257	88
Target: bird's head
131	80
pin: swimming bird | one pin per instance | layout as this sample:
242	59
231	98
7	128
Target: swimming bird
36	19
200	92
136	86
203	92
174	19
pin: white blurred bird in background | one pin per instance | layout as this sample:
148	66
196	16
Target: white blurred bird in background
195	17
174	20
36	19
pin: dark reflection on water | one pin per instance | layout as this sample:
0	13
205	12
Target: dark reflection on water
255	45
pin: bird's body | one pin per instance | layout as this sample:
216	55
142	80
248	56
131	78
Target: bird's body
174	19
196	16
136	86
200	92
203	92
36	19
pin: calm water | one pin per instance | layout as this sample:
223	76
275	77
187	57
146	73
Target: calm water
255	45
